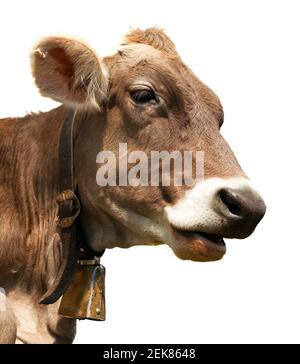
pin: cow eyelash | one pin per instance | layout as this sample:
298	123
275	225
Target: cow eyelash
143	96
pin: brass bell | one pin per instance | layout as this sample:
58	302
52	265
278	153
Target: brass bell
85	297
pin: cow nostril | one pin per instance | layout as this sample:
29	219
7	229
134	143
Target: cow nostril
241	208
166	195
231	201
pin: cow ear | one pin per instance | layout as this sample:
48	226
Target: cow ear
68	71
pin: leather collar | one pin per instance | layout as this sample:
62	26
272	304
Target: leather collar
73	243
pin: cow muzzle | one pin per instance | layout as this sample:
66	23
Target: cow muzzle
212	210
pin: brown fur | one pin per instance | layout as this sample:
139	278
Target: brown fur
154	37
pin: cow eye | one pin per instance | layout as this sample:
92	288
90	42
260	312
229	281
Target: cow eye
143	96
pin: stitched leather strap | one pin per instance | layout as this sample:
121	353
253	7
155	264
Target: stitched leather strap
68	210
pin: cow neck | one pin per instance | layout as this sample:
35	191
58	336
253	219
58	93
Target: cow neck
74	246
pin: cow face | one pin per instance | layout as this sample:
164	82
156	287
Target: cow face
146	98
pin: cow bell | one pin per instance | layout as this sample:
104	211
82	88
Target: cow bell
85	296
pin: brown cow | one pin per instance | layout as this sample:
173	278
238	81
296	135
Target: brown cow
143	95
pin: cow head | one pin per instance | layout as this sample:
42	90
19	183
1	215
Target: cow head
146	97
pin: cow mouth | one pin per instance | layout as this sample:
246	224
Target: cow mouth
198	246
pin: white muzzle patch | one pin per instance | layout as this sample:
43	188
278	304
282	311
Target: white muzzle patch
201	208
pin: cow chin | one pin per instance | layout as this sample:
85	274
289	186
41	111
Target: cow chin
198	247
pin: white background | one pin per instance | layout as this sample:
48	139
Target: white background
248	53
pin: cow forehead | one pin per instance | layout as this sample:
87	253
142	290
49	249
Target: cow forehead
130	56
135	53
